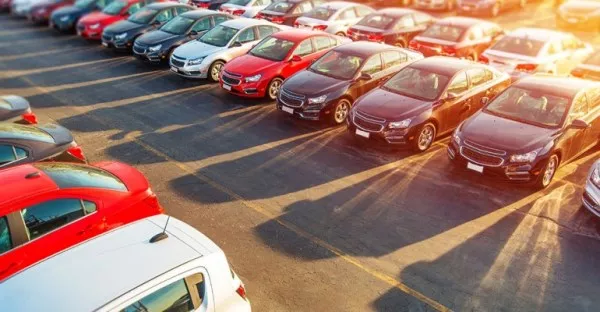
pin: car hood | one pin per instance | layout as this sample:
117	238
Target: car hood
98	17
196	49
248	65
505	134
391	106
60	134
306	82
68	10
156	37
580	7
124	26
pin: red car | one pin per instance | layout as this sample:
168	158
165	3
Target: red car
48	207
5	5
261	72
91	25
462	37
40	13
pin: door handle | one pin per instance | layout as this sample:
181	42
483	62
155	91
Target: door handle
465	108
85	230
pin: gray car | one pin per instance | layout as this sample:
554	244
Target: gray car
204	58
334	17
21	144
16	109
591	196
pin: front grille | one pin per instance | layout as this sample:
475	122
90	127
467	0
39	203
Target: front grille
177	62
367	122
291	99
485	149
228	79
589	200
480	158
138	49
106	37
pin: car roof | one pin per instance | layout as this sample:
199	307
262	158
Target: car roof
195	14
395	12
164	5
364	48
240	23
462	22
337	5
94	273
557	85
444	65
298	34
540	34
16	185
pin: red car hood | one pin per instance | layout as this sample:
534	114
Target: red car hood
249	65
131	177
99	17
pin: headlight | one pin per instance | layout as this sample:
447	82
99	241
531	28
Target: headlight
196	61
155	48
254	78
524	158
595	177
318	100
121	36
400	124
456	138
95	26
65	18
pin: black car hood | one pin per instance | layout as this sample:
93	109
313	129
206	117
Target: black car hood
124	26
391	106
60	134
309	83
69	10
505	134
156	37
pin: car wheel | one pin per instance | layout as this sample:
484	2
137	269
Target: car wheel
522	3
495	10
340	33
425	137
340	112
547	174
273	88
401	43
215	70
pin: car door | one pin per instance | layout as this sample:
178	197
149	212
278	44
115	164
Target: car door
482	85
306	51
456	104
573	139
12	256
12	154
373	66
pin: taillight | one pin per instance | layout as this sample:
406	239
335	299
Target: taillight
152	201
484	59
238	12
375	37
350	32
448	50
296	24
278	20
29	117
241	291
320	27
577	72
203	5
259	16
526	67
413	45
76	152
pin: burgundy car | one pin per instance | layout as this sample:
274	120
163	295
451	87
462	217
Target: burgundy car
462	37
424	100
40	13
5	5
530	129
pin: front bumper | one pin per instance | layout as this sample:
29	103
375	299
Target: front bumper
181	68
246	89
591	198
147	56
313	112
88	33
384	136
108	41
60	25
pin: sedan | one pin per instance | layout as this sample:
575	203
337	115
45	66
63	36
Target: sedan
580	15
488	7
58	205
425	100
589	69
158	45
21	144
536	50
92	25
286	12
244	8
204	58
65	19
16	108
261	72
328	87
334	17
462	37
539	123
391	26
121	35
40	13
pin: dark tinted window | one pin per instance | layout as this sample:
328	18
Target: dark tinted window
174	297
164	16
181	10
458	84
134	8
14	131
220	19
393	58
73	176
5	239
479	76
48	216
7	154
372	65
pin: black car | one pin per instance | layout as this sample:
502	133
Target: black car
24	144
208	4
16	108
526	132
157	45
327	88
65	19
285	12
424	100
392	26
589	69
121	35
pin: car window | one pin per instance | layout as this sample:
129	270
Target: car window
173	297
405	21
9	153
393	58
593	96
5	239
475	33
51	215
181	10
323	43
303	7
134	8
458	84
304	48
165	15
246	35
220	19
479	76
363	11
202	25
347	14
266	30
261	2
421	18
75	176
372	65
580	107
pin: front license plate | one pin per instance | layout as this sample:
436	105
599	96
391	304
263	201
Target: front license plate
475	167
363	134
174	69
287	109
227	87
104	44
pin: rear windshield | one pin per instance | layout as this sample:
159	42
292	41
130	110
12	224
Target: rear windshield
75	176
517	45
592	60
376	21
143	16
280	7
22	132
444	32
321	13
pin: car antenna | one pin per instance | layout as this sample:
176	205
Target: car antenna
162	235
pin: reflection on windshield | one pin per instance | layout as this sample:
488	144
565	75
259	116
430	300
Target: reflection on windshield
320	13
516	45
114	8
218	36
82	4
273	49
376	21
530	106
178	25
337	65
144	16
74	176
417	83
280	7
443	32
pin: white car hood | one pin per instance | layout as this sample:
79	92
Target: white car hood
195	49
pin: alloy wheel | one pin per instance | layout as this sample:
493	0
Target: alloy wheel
549	171
341	111
426	137
274	87
215	71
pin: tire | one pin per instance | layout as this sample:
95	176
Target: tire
547	174
273	89
340	111
215	70
401	43
340	33
495	10
425	137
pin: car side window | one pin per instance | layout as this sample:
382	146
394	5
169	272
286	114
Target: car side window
202	25
347	14
261	2
181	10
405	21
9	153
265	31
6	243
362	11
393	58
593	96
134	8
323	43
372	65
479	76
303	7
246	35
475	33
51	215
580	107
304	48
459	84
165	15
186	294
220	19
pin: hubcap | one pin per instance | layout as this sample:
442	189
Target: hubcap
341	111
425	138
216	71
549	172
274	89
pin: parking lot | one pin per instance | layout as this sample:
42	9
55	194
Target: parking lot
308	219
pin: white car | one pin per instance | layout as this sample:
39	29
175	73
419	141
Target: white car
131	268
204	57
334	17
244	8
22	7
536	50
591	196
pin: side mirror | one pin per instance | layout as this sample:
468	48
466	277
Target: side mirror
193	33
236	44
364	77
579	124
485	100
296	58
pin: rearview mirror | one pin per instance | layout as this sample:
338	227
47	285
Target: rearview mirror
236	44
484	100
579	124
296	58
365	77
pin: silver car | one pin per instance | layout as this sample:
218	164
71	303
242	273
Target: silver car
334	17
244	8
591	196
535	50
204	57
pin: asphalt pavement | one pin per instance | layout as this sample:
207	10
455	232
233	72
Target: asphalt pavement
308	219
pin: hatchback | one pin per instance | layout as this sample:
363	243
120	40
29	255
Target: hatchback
334	17
16	108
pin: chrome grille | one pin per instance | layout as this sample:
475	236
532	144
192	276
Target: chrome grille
477	157
367	122
231	78
139	49
291	99
485	149
177	62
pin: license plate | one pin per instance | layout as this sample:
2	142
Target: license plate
287	109
475	167
363	134
105	44
174	69
227	87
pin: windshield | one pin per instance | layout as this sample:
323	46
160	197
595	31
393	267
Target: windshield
516	45
417	83
114	8
219	36
320	13
238	2
337	65
443	32
178	25
143	16
82	4
75	176
530	106
376	21
280	7
594	59
274	49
